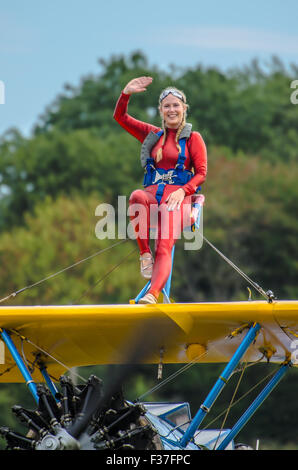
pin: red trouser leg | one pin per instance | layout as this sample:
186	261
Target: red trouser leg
169	228
162	265
140	202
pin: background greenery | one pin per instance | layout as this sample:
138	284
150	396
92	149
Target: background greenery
78	157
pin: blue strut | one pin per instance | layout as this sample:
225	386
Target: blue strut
254	406
49	383
20	363
143	292
165	290
220	383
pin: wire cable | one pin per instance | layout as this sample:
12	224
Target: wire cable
14	294
105	276
46	353
268	295
230	406
171	377
237	401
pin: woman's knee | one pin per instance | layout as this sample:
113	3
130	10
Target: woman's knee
138	197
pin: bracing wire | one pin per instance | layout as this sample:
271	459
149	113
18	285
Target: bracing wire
14	294
105	276
230	405
268	295
172	376
46	353
237	401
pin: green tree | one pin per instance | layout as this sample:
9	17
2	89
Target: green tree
55	163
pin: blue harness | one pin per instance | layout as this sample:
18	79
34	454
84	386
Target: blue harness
178	175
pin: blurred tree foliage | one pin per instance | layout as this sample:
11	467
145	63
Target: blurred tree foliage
78	158
57	235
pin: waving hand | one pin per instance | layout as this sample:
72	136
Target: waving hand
137	85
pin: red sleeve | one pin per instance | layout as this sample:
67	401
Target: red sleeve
198	153
138	129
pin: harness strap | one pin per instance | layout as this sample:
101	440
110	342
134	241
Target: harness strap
180	175
161	186
181	157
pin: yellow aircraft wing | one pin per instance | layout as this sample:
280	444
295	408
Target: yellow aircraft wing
69	336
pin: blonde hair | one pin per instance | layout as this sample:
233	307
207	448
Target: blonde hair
182	124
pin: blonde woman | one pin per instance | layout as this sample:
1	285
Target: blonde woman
175	162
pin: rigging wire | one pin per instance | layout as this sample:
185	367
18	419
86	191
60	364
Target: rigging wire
172	376
239	399
46	353
104	276
187	366
14	294
230	405
268	295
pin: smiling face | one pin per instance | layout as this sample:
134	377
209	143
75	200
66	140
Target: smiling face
172	110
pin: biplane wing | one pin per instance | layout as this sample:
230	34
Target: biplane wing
84	335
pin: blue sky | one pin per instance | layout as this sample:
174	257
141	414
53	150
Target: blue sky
45	44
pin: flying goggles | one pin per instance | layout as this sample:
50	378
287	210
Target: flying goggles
173	92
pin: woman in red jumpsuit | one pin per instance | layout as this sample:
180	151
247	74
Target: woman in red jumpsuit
172	194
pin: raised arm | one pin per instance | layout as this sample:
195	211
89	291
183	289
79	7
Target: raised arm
137	128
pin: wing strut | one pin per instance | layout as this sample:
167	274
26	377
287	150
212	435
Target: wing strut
20	363
255	405
219	385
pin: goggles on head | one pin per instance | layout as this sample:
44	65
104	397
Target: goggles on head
173	92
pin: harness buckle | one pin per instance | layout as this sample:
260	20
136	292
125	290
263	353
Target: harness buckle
178	165
164	178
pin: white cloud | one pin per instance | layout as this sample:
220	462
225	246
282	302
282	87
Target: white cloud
231	38
15	38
